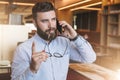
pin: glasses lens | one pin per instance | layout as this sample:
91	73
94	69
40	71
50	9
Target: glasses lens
58	55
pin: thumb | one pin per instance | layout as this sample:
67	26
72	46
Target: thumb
33	48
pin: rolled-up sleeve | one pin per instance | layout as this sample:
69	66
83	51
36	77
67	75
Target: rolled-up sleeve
82	51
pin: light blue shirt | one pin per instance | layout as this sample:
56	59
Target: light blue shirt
53	68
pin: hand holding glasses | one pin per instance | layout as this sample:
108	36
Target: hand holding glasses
37	58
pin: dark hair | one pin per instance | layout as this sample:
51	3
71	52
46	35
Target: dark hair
41	7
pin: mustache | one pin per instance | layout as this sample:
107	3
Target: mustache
50	29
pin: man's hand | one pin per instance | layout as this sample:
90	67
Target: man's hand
68	31
37	58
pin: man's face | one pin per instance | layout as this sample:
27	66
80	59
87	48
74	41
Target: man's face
46	24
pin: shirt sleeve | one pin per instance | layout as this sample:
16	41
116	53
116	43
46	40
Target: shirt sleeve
20	66
82	51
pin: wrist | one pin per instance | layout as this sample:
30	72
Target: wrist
75	38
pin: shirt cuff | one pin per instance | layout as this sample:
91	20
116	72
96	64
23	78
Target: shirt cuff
80	40
74	38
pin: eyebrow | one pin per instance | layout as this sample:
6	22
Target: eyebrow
44	20
47	19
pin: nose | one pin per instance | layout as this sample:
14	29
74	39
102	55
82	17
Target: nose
50	24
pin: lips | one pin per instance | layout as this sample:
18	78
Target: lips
50	30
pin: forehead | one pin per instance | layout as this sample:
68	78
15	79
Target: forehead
46	15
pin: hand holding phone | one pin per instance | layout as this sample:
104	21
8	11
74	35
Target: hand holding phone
66	29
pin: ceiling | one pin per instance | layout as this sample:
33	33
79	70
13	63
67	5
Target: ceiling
15	6
26	1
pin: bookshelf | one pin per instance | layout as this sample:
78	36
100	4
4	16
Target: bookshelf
109	55
110	31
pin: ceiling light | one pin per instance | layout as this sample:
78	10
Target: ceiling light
4	2
82	7
96	9
23	4
75	4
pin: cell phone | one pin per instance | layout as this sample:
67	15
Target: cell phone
59	27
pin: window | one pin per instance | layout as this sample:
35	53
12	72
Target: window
86	20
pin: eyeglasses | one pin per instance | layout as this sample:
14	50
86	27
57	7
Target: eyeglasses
55	54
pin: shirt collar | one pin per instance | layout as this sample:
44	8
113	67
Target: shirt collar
40	39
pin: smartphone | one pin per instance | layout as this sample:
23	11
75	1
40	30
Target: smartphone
59	27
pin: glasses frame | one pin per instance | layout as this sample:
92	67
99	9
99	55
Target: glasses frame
57	55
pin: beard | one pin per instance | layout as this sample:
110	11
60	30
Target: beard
47	35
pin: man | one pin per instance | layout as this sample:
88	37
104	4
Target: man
46	55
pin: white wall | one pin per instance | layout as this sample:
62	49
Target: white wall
0	42
10	35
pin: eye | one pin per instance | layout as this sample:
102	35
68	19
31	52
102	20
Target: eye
44	21
54	19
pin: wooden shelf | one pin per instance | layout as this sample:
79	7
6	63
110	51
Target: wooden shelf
111	35
113	23
110	31
117	47
114	12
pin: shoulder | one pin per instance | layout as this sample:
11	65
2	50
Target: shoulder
26	44
61	38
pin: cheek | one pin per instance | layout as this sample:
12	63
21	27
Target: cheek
43	27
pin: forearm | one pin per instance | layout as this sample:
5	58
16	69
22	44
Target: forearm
85	52
23	75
